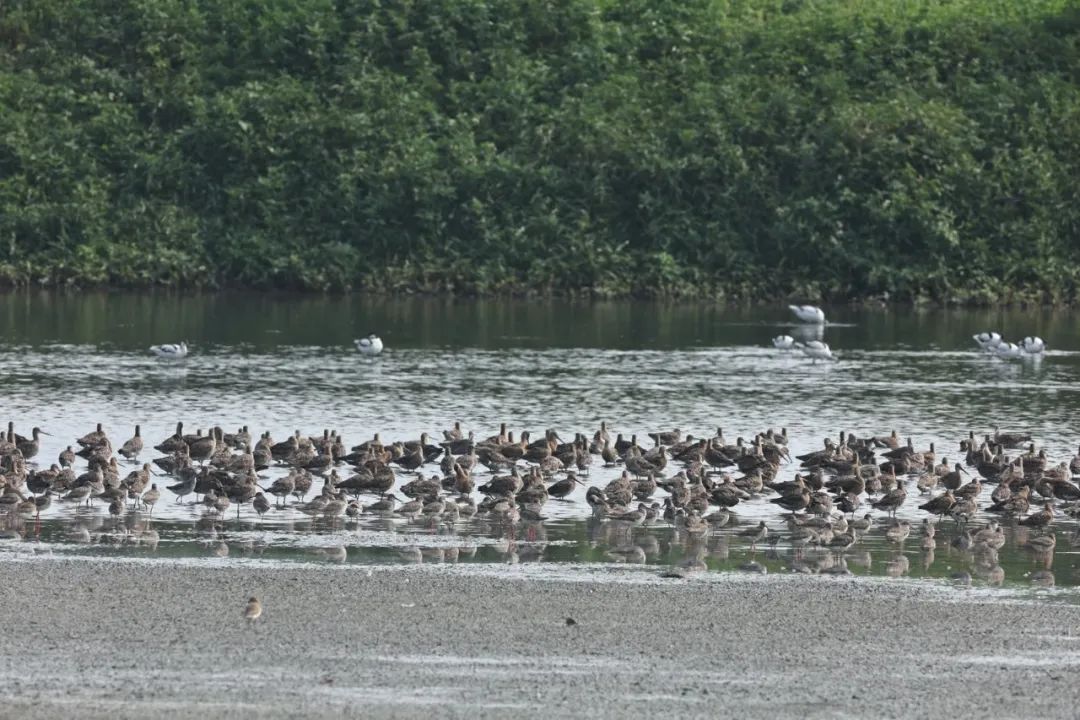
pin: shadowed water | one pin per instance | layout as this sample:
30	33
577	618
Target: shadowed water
282	363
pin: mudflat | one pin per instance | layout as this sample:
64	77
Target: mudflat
97	638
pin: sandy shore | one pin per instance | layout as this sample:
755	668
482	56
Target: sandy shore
91	638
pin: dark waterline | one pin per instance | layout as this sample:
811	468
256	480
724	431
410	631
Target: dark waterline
262	322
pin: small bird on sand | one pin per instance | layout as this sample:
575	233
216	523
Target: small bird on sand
253	609
756	534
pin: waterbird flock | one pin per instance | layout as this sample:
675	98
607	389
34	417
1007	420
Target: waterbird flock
370	345
813	349
1031	347
990	342
853	485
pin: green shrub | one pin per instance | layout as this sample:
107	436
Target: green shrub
739	149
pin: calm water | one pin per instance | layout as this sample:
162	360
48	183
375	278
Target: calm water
281	363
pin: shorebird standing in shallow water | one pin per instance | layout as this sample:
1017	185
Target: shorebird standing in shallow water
202	448
1040	518
188	478
260	504
42	502
132	447
282	487
29	448
116	508
150	498
78	494
94	439
67	457
253	609
898	531
756	534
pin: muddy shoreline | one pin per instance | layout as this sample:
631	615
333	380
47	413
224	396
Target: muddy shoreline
166	640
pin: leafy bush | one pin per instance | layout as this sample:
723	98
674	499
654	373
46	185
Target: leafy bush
744	149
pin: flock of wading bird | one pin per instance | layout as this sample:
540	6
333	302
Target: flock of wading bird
827	506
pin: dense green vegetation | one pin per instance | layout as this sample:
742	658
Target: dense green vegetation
927	149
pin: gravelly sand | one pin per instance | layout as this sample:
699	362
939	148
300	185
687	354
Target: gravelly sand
107	639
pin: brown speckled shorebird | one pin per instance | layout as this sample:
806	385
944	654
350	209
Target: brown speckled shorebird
1041	518
67	457
282	487
260	504
898	532
131	449
29	448
562	488
202	448
150	498
756	534
940	505
94	439
1042	543
253	609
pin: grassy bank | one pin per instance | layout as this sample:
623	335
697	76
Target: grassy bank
738	149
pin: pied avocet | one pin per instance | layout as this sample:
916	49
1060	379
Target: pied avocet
370	345
1033	345
808	313
817	350
170	351
783	342
1009	350
988	340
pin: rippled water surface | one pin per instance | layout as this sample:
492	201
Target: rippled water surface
282	363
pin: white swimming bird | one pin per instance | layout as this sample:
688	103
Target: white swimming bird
817	350
1009	350
170	351
783	342
370	345
808	313
988	340
1033	345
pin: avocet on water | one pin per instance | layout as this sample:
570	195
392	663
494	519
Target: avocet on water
370	345
817	350
808	313
1033	345
783	342
1008	350
170	351
988	340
